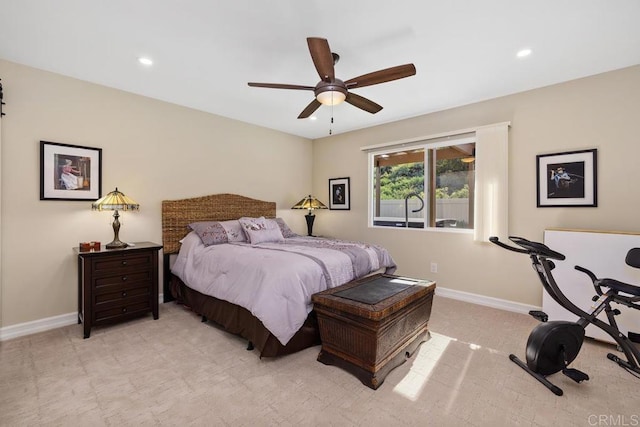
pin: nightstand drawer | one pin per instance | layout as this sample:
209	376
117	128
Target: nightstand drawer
108	283
112	312
122	263
115	294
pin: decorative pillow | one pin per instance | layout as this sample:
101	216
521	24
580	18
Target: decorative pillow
218	232
261	230
284	228
234	231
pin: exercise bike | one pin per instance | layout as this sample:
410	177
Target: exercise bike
553	345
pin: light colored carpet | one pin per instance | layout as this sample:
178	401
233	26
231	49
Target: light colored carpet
179	371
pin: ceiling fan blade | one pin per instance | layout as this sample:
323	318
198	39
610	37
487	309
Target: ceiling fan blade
280	86
322	58
309	109
363	103
381	76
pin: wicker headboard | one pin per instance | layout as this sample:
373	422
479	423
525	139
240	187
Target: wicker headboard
177	214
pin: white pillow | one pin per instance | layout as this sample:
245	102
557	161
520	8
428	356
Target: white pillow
260	230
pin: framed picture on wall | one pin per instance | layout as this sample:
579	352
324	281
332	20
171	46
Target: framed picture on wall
567	179
70	172
339	194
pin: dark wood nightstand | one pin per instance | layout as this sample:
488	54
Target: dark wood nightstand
117	284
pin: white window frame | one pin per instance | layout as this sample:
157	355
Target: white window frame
425	145
491	176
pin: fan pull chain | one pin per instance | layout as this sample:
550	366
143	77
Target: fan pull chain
331	124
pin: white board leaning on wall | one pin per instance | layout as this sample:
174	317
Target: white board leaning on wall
602	252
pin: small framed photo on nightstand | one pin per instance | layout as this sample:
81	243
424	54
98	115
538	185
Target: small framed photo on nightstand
339	194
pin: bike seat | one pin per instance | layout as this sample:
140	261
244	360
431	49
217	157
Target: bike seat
633	258
619	286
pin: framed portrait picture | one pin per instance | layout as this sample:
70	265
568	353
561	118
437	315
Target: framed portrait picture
70	172
339	194
567	179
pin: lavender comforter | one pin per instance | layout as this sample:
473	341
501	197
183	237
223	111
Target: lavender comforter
275	281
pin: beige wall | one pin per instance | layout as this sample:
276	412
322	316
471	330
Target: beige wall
596	112
154	151
151	151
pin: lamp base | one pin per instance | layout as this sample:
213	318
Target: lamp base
310	218
116	244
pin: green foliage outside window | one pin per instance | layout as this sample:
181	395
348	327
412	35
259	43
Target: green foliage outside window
397	182
446	193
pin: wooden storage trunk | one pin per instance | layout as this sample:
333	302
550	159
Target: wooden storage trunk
372	325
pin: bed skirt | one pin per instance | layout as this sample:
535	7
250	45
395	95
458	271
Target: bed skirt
239	321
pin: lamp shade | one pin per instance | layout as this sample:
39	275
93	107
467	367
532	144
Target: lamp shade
309	203
115	201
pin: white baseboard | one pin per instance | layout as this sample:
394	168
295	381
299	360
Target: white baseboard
486	301
35	326
41	325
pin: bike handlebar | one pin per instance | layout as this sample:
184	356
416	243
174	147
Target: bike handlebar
529	247
495	240
587	272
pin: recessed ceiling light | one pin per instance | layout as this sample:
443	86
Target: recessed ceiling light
313	118
145	61
523	53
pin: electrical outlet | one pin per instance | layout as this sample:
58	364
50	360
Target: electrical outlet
434	267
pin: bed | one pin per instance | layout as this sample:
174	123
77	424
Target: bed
306	272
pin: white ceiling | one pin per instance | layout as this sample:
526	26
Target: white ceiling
205	51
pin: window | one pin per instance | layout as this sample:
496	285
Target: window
424	185
394	174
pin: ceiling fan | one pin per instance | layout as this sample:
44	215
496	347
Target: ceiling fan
332	91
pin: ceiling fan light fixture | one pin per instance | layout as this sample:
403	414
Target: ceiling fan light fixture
331	97
332	91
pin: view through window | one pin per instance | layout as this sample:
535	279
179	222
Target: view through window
430	185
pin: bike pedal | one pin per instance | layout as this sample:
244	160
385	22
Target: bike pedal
539	315
576	375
